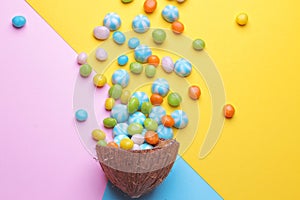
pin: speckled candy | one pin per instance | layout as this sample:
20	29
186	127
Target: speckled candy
85	70
81	115
115	91
120	77
198	44
157	113
112	21
133	105
183	67
150	124
146	146
170	13
82	58
141	53
122	60
119	37
133	42
135	128
101	54
165	132
160	86
141	24
109	122
109	103
137	117
126	144
120	129
119	112
136	67
98	134
126	94
142	97
101	32
180	118
118	138
174	99
146	108
99	80
167	64
159	36
138	139
150	71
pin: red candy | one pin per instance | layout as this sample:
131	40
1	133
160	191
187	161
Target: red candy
167	121
228	111
153	60
151	137
194	92
150	6
177	27
156	99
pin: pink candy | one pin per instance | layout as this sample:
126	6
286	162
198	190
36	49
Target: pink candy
81	58
101	32
167	64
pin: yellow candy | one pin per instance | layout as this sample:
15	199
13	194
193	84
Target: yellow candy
126	144
99	80
241	19
98	135
109	103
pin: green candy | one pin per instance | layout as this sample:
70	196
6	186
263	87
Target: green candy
159	36
174	99
125	96
109	122
150	71
85	70
150	124
126	1
102	143
115	91
135	128
198	44
136	67
146	107
133	105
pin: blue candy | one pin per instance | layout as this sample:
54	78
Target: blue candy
157	113
118	138
120	129
133	42
137	117
182	67
165	132
141	53
119	112
81	115
160	86
120	77
122	60
146	146
112	21
180	118
141	24
18	21
142	97
170	13
119	37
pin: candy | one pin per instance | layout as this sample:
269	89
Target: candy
156	99
98	134
165	132
18	21
82	58
167	121
101	32
183	67
120	77
133	105
109	103
118	138
126	144
136	147
170	13
115	91
241	19
137	117
150	6
141	24
198	44
153	60
119	37
138	139
151	137
133	42
113	144
112	21
102	143
150	124
159	36
180	1
180	118
142	97
101	54
146	108
126	94
81	115
135	128
150	71
120	129
167	64
144	132
160	86
122	60
177	27
194	92
99	80
109	122
146	146
85	70
157	113
141	53
119	112
174	99
228	111
136	67
126	1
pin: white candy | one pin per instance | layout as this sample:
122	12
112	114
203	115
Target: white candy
136	147
101	32
138	139
81	58
101	54
167	64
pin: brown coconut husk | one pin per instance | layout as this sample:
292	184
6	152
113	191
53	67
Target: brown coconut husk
137	172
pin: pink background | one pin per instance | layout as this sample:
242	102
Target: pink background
41	156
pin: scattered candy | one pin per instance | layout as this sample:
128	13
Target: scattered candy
126	1
113	144
167	121
133	105
180	118
120	129
142	97
98	134
156	99
102	143
160	86
126	94
137	117
170	13
228	111
133	42
174	99
153	60
101	32
146	108
151	137
150	71
82	58
182	67
85	70
122	60
180	1
136	147
120	77
167	64
119	37
109	122
101	54
241	19
118	138
165	132
159	36
150	124
136	67
81	115
115	91
146	146
18	21
109	103
135	128
194	92
126	144
99	80
150	6
138	139
177	27
112	21
198	44
141	24
157	113
119	112
141	53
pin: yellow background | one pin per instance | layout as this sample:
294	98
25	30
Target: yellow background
258	154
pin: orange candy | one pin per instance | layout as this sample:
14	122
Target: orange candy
113	144
194	92
151	137
167	121
177	27
228	111
153	60
156	99
150	6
